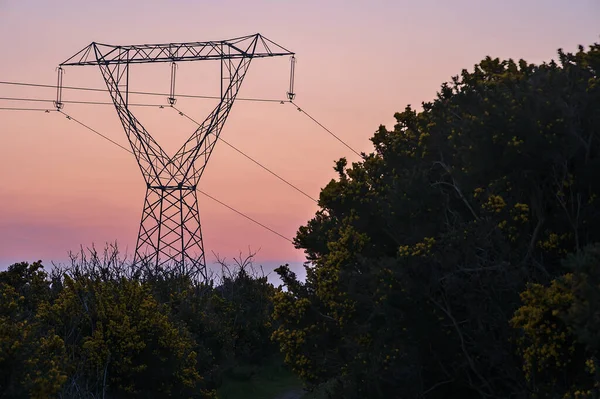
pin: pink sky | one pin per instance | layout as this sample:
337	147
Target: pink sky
358	63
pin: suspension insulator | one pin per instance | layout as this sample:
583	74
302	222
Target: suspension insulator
58	104
172	100
290	94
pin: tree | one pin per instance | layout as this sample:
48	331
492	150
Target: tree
419	251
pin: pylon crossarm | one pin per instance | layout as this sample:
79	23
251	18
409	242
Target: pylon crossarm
255	46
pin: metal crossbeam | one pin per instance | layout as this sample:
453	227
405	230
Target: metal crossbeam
252	46
170	232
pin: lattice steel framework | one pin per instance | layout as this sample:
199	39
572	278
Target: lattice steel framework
170	231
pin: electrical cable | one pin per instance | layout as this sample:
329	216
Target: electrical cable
95	131
146	93
200	191
76	102
246	216
327	130
181	113
26	99
250	158
26	109
166	95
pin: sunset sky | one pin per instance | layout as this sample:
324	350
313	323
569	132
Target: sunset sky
358	63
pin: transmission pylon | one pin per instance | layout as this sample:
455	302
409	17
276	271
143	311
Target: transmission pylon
170	232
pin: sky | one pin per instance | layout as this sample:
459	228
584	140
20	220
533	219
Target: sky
358	62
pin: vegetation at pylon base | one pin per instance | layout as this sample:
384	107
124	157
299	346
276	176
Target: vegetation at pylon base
420	251
99	328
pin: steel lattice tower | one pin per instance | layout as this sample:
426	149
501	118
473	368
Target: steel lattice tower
170	232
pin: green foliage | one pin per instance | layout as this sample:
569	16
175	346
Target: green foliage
99	328
118	336
31	354
419	252
559	322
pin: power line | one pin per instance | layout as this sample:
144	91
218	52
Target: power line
250	158
25	99
181	113
75	102
244	215
146	93
200	191
26	109
95	131
191	119
167	95
327	130
188	117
